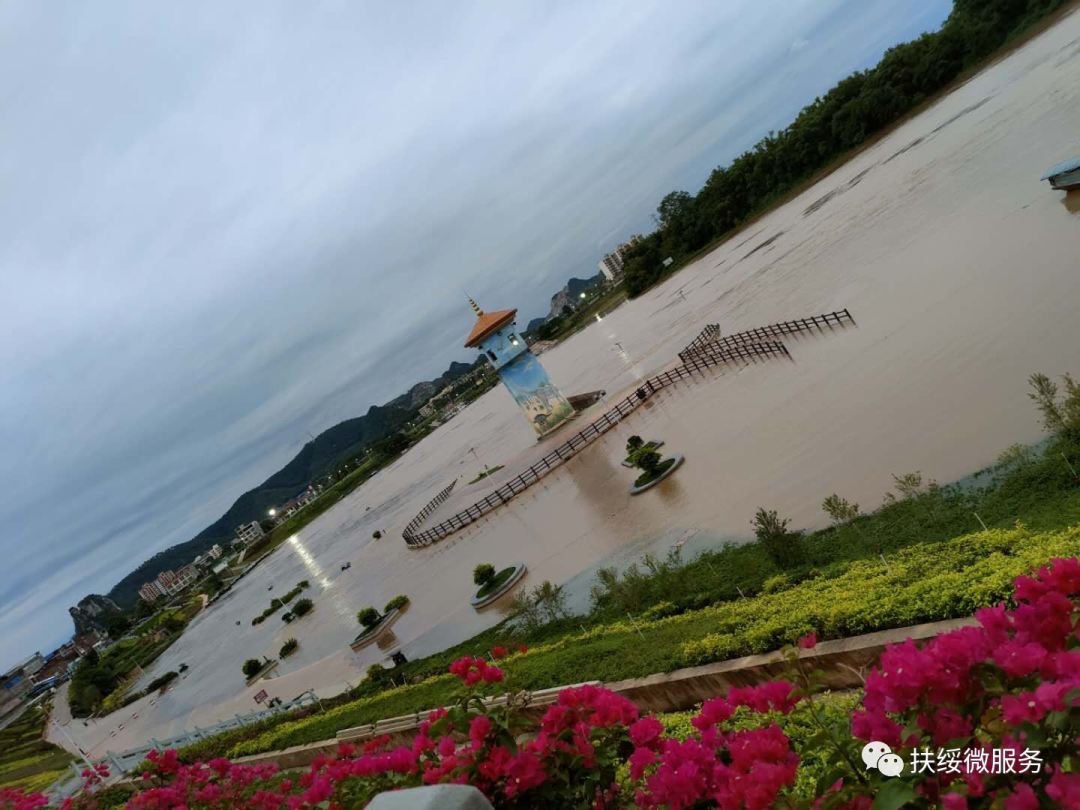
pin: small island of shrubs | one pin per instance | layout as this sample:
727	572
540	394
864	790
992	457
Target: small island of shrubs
488	581
252	667
397	603
288	648
646	459
277	604
161	682
370	618
301	608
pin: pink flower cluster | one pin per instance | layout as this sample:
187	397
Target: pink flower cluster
19	799
734	769
996	681
474	670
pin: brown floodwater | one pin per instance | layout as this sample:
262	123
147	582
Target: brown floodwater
962	270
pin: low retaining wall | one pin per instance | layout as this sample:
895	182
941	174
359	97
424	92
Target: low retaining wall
843	663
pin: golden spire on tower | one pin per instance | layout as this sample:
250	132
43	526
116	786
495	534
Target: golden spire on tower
475	306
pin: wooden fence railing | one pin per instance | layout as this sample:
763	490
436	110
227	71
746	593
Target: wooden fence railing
708	353
710	339
432	505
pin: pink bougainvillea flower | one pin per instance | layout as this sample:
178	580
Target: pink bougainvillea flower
646	732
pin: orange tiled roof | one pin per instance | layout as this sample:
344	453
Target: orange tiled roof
488	323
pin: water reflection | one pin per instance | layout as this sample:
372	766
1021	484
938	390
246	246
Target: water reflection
310	562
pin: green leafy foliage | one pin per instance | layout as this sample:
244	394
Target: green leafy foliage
495	582
251	667
302	607
840	509
288	648
368	617
162	681
483	574
277	603
397	603
783	547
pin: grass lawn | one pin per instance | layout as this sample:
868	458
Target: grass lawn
26	758
496	583
648	477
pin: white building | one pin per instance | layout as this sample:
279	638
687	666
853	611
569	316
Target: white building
174	582
612	264
151	591
249	533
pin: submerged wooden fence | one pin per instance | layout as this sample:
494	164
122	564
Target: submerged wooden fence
706	351
710	335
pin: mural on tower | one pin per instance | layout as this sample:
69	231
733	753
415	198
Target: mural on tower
543	404
495	335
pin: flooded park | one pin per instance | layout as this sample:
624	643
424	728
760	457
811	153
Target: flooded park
961	271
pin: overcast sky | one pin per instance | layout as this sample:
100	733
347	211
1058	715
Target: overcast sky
223	225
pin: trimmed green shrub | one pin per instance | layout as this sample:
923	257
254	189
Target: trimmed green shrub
483	574
252	667
302	607
288	648
162	681
368	617
397	603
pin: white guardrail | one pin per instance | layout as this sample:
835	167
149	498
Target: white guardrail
121	762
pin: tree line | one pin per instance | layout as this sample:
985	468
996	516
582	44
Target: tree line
846	116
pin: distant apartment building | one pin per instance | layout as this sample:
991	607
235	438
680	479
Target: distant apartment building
169	583
206	560
176	581
249	533
151	591
612	264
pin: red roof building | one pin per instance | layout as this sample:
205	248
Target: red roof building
487	323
